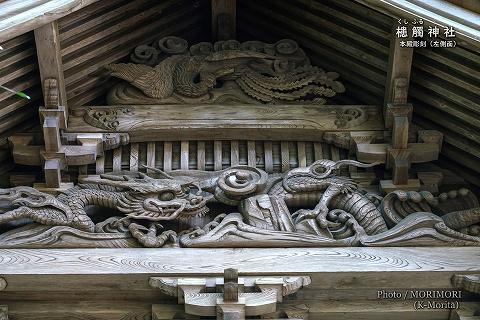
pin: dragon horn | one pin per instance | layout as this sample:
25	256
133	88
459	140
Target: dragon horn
162	174
347	162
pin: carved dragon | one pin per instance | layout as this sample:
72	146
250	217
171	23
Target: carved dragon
328	209
252	72
140	197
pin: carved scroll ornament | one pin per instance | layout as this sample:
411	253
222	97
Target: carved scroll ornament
252	72
238	207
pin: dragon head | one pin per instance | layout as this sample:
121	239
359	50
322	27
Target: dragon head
308	177
152	199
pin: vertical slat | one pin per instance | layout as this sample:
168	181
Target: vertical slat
317	147
302	156
134	157
217	155
184	155
268	150
234	153
223	19
83	170
335	153
285	150
150	155
252	157
201	155
100	165
117	159
167	156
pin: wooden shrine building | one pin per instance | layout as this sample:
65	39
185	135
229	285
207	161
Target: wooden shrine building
239	159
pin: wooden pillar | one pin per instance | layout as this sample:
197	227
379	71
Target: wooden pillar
397	113
230	307
224	19
398	72
47	41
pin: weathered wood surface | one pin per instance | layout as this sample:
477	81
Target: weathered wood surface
224	19
47	42
78	283
20	16
279	122
15	263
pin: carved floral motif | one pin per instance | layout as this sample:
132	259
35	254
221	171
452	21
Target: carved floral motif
106	119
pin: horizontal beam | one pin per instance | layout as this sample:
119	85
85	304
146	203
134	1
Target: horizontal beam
18	17
226	122
173	261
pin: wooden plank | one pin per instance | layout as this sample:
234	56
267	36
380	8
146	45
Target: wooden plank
40	264
234	153
47	41
184	152
117	159
75	43
224	19
224	122
268	150
251	154
134	157
317	147
115	11
167	156
100	165
33	14
335	151
217	155
151	155
285	154
201	155
302	157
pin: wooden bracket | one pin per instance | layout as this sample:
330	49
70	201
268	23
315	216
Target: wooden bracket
399	160
397	111
468	282
204	296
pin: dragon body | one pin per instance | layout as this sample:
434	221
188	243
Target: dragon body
321	200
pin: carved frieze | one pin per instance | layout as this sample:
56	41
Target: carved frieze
170	72
238	207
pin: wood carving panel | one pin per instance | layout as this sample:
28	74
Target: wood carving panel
221	122
170	72
237	207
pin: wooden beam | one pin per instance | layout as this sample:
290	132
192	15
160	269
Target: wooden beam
224	19
227	122
99	273
23	16
47	41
